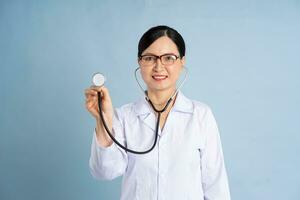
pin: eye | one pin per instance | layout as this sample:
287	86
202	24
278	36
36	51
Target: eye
169	57
148	58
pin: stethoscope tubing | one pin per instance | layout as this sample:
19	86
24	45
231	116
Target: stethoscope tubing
116	141
157	111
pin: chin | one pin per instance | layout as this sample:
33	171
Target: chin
161	88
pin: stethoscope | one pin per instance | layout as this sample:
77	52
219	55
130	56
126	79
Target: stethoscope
99	80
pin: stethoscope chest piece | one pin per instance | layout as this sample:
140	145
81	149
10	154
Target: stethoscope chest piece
98	79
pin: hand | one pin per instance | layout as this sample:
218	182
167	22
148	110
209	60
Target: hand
91	102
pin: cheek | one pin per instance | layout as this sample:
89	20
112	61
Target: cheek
175	73
144	74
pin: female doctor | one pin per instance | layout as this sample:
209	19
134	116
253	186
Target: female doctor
187	162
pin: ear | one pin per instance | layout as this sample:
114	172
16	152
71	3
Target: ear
182	60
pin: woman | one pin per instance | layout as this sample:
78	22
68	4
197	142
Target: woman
187	162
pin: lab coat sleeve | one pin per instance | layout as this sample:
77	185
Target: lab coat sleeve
107	163
214	176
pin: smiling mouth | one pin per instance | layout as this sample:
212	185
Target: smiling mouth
159	77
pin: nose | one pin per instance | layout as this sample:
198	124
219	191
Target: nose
158	65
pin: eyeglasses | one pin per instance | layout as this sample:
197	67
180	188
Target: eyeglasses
166	59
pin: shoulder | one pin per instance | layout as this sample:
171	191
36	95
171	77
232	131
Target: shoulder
201	110
131	110
125	109
199	107
205	117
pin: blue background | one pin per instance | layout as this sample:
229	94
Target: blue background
244	62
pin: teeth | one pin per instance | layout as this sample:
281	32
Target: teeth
159	77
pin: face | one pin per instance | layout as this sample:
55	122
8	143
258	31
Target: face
160	77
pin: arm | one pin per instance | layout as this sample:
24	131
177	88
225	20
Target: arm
214	176
108	161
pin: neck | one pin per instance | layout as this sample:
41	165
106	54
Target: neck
160	98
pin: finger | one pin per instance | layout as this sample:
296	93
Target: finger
103	91
90	92
90	105
97	88
91	98
105	94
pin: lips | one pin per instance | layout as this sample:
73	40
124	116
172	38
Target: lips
159	77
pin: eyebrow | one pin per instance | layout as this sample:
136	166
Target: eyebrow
151	54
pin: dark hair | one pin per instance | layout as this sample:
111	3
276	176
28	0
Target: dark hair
158	31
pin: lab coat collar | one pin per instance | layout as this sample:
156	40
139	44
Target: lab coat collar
182	104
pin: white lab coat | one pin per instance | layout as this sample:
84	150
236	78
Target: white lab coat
186	164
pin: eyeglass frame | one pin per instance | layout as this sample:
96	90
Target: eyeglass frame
159	57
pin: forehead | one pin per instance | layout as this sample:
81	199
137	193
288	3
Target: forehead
161	46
